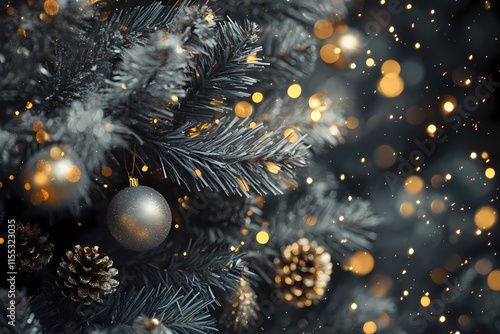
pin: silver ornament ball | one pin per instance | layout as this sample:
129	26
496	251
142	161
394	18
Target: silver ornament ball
139	218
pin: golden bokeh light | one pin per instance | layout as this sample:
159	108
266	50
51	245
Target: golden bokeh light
56	153
243	109
73	174
369	327
407	209
390	68
262	237
316	116
197	172
384	156
361	263
414	185
252	58
437	180
390	86
483	267
485	217
51	7
431	129
490	173
329	53
294	91
425	301
257	97
448	106
494	280
323	29
437	206
106	171
439	275
384	320
370	62
352	122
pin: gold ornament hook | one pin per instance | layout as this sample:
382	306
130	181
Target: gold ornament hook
134	182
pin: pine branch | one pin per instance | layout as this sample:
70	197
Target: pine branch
201	267
231	156
22	320
181	312
221	74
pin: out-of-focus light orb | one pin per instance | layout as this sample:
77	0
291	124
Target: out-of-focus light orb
414	185
384	156
323	29
309	180
316	116
439	275
257	97
437	206
291	135
483	267
484	155
243	109
384	320
354	306
294	91
494	280
490	173
390	68
390	86
369	327
262	237
442	318
485	217
318	101
361	263
352	122
437	181
370	62
431	129
407	209
380	285
349	42
415	115
464	320
51	7
448	106
425	301
473	155
329	53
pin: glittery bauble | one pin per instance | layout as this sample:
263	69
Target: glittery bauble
51	179
139	218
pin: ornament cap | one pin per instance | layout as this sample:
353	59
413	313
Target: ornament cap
134	182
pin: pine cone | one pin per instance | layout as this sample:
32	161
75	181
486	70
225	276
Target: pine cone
304	271
86	275
32	249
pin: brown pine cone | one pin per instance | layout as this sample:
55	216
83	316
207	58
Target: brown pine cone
303	272
86	275
33	251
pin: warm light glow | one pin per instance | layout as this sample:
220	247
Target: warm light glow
316	116
51	7
494	280
490	173
414	185
448	106
407	209
439	275
257	97
425	301
473	155
431	129
437	206
309	180
294	91
390	68
106	171
484	266
369	327
361	263
252	58
370	62
354	306
323	29
197	172
384	156
243	109
243	184
485	217
352	122
390	86
272	167
262	237
329	53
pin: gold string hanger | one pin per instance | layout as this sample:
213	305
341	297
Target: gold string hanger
134	182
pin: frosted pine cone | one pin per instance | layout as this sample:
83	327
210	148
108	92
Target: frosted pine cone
33	251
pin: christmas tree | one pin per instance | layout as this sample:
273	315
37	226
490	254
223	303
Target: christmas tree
188	167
